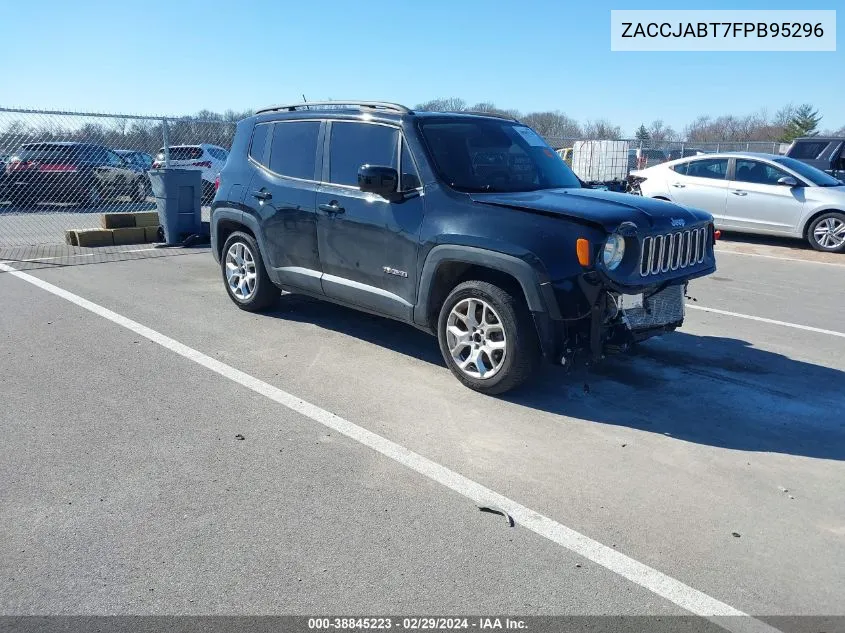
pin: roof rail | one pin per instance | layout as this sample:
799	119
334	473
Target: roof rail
498	115
369	105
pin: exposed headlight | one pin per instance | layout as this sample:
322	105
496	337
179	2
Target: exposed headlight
614	251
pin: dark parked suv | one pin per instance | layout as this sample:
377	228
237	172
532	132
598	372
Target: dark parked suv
80	173
469	227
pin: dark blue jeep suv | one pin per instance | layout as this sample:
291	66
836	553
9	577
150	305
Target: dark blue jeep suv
468	226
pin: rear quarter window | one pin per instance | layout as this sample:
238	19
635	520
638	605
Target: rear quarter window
808	149
259	139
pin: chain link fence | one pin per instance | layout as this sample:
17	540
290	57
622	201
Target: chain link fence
65	176
70	181
609	162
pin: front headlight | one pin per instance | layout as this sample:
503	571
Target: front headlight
614	251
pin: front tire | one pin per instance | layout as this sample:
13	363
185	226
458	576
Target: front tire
487	337
244	275
827	232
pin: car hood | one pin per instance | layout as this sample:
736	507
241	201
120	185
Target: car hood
594	206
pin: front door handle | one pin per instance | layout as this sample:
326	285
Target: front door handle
678	185
739	193
332	207
262	195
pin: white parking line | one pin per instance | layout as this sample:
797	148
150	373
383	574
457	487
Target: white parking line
723	251
647	577
751	317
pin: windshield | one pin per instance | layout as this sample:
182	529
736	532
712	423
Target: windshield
815	176
46	152
477	155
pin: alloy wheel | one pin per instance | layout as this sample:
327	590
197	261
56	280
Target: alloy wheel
830	233
240	271
476	338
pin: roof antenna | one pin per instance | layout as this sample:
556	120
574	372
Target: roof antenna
304	100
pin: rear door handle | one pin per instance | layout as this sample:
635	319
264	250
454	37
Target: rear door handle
739	193
262	195
678	185
332	207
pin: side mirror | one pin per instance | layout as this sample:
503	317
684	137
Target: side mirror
788	181
378	179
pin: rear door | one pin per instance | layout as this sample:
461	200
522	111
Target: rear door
282	198
702	184
369	244
756	202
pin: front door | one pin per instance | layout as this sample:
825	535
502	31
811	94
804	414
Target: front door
757	203
368	244
702	184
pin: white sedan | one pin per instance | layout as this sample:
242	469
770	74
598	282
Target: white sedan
754	193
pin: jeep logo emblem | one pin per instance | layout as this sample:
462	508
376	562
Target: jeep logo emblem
678	221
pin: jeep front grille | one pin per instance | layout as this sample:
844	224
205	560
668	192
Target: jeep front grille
662	253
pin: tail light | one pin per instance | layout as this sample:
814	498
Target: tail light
156	164
204	163
217	183
19	165
57	167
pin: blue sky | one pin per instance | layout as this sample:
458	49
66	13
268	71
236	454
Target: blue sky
152	57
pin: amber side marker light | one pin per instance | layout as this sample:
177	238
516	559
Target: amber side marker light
582	248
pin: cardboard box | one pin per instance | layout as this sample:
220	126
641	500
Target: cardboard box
117	220
94	237
151	233
133	235
146	218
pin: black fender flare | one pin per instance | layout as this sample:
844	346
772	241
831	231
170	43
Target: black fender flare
538	292
236	216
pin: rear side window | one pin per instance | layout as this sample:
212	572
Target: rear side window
808	149
181	153
714	168
356	144
46	151
680	168
294	149
219	154
259	138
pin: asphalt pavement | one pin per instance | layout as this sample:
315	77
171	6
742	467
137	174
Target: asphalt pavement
713	455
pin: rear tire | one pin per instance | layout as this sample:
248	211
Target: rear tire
244	275
827	232
487	337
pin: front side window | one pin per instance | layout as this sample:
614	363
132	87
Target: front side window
713	168
293	150
757	172
815	176
355	144
410	177
485	155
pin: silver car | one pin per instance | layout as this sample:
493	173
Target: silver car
754	193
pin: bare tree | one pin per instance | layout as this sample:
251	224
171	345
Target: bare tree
602	129
553	125
659	132
447	104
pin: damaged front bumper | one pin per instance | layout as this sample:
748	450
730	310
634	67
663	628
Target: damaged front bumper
617	319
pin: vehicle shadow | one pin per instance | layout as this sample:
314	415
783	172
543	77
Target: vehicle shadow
717	391
764	240
377	330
